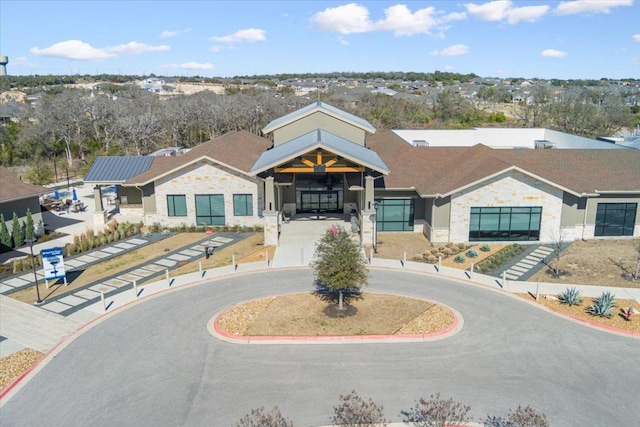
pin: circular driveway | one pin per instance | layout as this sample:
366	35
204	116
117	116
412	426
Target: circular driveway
155	363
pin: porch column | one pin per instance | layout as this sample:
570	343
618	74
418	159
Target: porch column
368	194
100	215
368	212
269	195
270	215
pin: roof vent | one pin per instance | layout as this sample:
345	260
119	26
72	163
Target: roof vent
420	143
543	144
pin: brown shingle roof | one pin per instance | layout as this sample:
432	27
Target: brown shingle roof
441	170
12	188
238	149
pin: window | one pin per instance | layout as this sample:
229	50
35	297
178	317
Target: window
177	205
615	219
242	205
505	223
395	215
210	209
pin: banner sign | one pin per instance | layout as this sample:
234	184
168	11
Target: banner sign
52	263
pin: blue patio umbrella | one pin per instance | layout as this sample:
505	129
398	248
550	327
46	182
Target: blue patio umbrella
75	196
56	195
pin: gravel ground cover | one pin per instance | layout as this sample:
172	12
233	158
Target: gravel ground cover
15	364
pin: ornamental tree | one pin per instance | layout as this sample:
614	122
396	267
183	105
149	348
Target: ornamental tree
5	237
339	265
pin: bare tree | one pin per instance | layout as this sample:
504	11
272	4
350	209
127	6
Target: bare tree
557	245
354	411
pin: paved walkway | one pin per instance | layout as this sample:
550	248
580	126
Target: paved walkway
531	261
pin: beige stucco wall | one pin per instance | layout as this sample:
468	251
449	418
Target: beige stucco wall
206	178
513	189
318	120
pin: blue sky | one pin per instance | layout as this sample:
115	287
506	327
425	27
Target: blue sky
561	39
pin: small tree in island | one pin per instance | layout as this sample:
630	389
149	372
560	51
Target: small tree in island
339	266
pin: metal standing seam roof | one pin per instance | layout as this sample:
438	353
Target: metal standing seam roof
312	108
117	169
319	139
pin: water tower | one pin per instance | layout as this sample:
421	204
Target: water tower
4	60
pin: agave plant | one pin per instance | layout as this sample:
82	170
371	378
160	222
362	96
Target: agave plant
472	253
603	305
570	297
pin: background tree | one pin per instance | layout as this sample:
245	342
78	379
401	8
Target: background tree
522	417
260	418
16	232
339	265
354	411
5	237
436	412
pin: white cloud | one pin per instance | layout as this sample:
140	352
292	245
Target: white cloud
249	35
167	34
504	10
346	19
636	37
21	60
402	22
196	66
343	41
455	50
590	6
354	18
215	48
73	49
552	53
135	48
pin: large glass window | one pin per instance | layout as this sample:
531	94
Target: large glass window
210	209
242	205
395	215
615	219
177	205
505	223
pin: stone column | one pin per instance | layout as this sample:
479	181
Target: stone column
269	195
97	195
100	215
271	228
368	194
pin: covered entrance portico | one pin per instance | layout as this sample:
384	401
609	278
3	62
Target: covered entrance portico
318	173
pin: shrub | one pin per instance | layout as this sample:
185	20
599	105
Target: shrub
485	248
471	253
499	258
432	259
354	411
436	412
259	418
570	297
603	305
447	251
462	246
459	259
454	250
434	251
522	417
449	244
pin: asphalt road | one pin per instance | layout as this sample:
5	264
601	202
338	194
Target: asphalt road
155	364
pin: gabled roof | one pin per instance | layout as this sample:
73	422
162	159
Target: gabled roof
315	107
445	170
13	188
237	150
319	139
117	169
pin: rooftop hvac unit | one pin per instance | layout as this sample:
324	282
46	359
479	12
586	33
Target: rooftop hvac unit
544	144
420	143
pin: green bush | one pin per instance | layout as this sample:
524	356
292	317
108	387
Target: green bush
485	248
500	258
459	259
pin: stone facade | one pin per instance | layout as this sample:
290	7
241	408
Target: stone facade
204	177
513	189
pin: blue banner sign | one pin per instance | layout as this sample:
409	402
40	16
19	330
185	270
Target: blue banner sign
53	263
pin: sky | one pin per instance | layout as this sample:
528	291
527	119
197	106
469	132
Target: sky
574	39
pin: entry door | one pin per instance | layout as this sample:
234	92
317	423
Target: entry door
319	201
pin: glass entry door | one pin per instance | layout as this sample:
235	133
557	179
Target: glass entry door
319	201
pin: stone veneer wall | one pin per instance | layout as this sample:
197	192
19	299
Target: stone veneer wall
513	189
206	178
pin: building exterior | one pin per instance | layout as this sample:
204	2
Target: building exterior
320	160
17	196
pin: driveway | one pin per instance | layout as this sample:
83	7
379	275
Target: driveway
155	363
